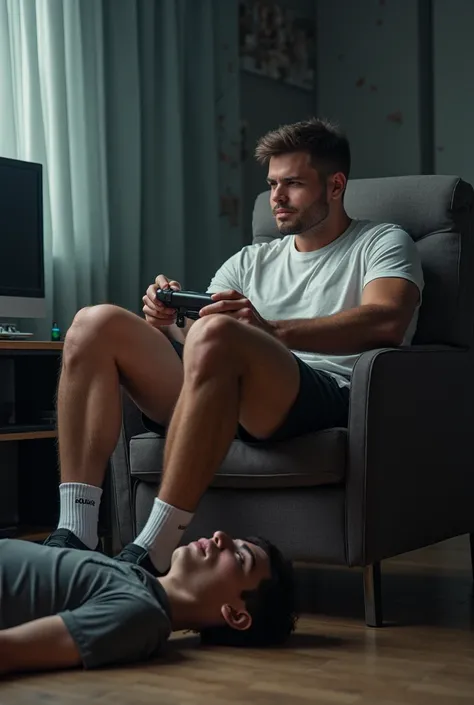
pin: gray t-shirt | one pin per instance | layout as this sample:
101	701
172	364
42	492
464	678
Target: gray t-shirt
283	283
115	612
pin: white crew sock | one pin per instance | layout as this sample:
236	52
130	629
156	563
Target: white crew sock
79	511
162	533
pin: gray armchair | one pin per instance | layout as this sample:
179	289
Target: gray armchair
401	475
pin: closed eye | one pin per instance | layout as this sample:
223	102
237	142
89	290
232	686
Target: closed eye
242	558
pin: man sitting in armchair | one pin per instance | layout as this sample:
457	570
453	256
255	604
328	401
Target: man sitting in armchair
269	359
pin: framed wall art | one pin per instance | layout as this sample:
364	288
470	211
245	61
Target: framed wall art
276	43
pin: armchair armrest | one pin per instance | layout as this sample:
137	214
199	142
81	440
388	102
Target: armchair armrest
410	476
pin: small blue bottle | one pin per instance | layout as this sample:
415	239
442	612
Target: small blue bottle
55	332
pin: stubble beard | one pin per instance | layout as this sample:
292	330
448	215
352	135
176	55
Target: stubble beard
313	216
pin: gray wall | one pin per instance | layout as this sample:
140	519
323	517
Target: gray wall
453	31
369	81
265	104
397	75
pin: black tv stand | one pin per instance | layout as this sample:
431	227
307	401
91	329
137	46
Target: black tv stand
28	437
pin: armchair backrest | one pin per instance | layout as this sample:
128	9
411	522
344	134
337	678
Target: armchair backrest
437	211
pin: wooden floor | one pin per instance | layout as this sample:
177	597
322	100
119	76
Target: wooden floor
425	656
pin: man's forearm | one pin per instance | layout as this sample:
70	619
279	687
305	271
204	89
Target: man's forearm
38	645
348	332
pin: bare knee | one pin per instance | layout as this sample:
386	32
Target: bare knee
90	331
211	346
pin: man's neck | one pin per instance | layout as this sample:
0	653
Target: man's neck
182	607
323	234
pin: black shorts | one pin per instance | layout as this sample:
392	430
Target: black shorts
321	403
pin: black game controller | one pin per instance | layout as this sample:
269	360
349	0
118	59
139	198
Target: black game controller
187	303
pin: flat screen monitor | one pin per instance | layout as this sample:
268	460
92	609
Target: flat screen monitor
22	292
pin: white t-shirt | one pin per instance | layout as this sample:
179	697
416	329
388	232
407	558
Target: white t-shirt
283	283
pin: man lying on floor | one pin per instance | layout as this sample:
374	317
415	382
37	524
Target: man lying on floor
61	608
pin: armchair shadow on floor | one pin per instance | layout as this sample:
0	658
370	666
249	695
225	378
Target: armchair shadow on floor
400	476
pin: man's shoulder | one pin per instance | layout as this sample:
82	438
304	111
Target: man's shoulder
370	235
371	229
265	249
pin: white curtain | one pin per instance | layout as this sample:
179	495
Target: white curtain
173	119
131	106
52	108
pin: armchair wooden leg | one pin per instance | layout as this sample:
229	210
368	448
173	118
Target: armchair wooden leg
373	595
471	539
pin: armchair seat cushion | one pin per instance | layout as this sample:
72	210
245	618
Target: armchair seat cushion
308	461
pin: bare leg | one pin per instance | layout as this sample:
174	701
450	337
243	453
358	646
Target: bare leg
232	372
104	347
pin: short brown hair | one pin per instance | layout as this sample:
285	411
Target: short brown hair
326	144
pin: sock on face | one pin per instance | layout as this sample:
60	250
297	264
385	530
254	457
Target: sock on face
163	532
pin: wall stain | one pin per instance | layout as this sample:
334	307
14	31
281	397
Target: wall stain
396	117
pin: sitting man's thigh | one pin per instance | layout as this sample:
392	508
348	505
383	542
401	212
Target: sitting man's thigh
267	371
281	396
270	383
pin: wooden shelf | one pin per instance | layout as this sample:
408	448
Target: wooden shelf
39	533
30	345
34	534
27	435
27	533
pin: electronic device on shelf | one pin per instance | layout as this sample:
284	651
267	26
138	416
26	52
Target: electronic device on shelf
10	332
22	288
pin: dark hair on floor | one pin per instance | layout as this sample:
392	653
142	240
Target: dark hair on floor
271	606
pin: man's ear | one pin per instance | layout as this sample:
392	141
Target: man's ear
237	619
337	185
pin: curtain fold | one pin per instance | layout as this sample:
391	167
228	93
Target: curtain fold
124	102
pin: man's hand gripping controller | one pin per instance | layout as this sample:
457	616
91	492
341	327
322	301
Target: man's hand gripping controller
187	303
